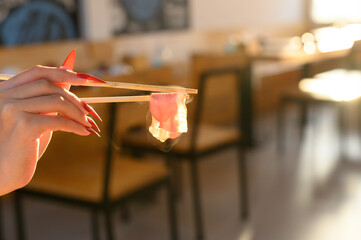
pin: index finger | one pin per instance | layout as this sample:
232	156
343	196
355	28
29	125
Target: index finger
56	75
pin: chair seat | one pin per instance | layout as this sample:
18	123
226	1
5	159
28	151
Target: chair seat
84	180
209	137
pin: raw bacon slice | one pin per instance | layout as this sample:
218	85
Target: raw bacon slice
169	115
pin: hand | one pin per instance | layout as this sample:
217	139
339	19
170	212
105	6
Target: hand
33	104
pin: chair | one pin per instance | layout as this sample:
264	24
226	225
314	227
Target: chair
207	137
304	100
81	173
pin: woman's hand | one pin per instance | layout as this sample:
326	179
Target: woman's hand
32	105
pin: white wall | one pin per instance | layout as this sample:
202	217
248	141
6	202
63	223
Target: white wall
266	17
259	14
262	15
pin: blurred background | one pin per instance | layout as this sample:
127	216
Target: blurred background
272	150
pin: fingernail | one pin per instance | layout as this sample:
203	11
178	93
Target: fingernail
92	131
91	111
69	61
91	121
89	77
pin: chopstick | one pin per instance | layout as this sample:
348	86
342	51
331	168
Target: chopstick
131	86
143	87
143	98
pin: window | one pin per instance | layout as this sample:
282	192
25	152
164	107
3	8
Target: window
331	11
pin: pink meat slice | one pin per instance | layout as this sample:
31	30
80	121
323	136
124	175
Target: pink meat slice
169	115
163	108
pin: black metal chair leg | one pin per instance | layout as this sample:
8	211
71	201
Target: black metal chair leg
359	115
19	216
281	127
342	129
176	174
303	118
95	224
172	212
196	200
242	172
1	222
109	224
178	179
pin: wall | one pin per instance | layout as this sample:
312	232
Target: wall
259	17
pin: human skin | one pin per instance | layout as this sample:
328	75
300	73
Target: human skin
33	104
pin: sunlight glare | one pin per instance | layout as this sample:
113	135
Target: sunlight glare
339	86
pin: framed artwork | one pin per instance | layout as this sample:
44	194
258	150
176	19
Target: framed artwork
136	16
34	21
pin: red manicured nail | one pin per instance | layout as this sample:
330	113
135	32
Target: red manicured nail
91	121
69	61
89	77
92	131
91	111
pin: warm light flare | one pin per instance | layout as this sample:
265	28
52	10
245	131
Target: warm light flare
333	39
352	31
307	37
330	11
309	47
337	85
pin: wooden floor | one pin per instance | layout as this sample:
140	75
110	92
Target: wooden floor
311	192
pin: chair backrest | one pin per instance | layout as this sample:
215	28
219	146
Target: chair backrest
78	155
225	93
110	128
132	114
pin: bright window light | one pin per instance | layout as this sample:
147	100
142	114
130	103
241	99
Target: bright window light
330	11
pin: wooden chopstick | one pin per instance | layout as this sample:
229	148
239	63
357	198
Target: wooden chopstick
143	87
143	98
131	86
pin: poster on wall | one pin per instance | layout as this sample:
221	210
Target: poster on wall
34	21
137	16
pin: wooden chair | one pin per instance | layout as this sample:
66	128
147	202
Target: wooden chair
206	135
86	171
304	100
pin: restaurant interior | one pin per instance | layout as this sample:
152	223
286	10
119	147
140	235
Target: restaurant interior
267	143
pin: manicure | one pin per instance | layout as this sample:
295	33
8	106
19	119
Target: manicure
91	111
92	131
69	61
89	77
91	121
